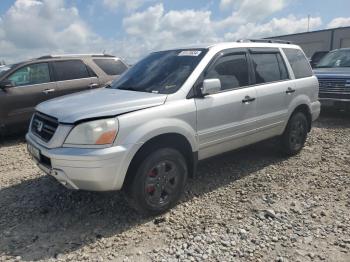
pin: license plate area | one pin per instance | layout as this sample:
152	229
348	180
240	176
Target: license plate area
34	152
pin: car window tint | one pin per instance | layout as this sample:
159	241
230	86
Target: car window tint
111	66
282	67
300	65
268	67
232	70
31	75
91	72
69	70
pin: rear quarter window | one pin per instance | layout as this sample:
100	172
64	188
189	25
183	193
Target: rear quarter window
111	66
299	63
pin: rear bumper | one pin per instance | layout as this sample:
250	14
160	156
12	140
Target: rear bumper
84	168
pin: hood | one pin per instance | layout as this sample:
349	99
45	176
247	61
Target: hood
97	103
332	72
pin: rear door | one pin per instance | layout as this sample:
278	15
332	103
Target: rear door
304	82
226	118
72	76
272	81
32	84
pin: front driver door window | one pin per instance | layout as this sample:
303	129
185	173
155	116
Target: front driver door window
31	75
232	70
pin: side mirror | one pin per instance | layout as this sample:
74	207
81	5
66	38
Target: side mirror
6	84
211	86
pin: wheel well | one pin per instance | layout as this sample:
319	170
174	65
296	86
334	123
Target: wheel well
305	110
172	140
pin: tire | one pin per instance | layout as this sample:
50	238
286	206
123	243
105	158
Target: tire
158	183
294	137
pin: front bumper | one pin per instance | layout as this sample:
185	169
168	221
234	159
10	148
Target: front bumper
98	169
335	102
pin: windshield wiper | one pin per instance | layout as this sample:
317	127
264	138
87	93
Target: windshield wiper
129	88
323	66
331	66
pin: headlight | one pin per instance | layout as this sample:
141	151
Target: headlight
98	132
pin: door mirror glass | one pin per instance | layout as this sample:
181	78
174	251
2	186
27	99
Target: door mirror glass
6	84
211	86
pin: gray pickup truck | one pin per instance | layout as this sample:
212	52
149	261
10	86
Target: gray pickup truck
333	73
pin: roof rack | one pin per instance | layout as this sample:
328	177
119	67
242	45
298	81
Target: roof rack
74	55
264	41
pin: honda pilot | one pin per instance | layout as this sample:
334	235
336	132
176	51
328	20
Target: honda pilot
145	133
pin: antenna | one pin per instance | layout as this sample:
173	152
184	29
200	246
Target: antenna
308	23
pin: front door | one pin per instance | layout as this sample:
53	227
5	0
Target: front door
31	86
225	119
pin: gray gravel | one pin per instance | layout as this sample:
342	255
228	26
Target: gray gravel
248	205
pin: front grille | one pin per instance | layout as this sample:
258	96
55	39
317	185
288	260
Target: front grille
44	126
335	85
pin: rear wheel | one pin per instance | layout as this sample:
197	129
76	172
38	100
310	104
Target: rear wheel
294	137
158	182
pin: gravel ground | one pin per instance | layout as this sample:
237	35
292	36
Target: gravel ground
248	205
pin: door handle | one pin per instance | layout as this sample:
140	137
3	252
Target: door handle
290	90
248	99
47	91
94	85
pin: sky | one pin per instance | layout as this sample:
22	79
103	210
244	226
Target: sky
132	28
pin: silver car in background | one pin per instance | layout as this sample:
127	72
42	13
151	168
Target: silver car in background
146	132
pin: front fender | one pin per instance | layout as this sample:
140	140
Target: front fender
161	126
144	133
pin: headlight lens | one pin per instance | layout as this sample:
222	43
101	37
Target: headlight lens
98	132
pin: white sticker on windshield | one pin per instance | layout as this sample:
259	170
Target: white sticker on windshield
190	53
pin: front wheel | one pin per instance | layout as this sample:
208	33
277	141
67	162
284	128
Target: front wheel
294	137
158	182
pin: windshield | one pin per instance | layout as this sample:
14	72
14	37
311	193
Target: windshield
338	58
4	69
161	72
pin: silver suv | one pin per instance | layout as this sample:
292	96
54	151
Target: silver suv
146	132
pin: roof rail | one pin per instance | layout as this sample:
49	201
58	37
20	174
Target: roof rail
74	55
264	41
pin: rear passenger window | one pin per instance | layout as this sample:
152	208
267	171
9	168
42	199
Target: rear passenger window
69	70
269	67
300	65
232	70
111	66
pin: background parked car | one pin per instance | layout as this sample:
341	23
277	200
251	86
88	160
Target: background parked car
316	57
333	73
26	84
